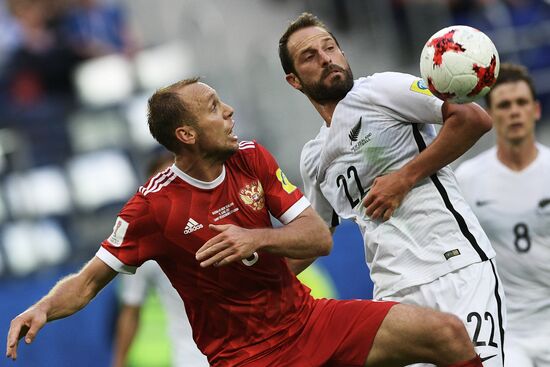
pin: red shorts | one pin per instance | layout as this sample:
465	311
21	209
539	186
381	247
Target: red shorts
337	334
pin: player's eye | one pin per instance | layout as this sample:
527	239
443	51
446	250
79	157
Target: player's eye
504	105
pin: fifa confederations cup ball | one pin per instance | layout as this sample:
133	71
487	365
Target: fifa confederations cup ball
459	64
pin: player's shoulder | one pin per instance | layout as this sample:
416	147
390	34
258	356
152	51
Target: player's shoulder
477	165
248	154
389	79
387	84
311	152
544	150
248	149
249	146
157	183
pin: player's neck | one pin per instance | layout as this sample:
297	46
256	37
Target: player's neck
325	110
517	156
199	168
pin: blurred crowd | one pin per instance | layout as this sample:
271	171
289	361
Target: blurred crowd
42	42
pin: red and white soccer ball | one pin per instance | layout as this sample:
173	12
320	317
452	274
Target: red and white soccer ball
459	64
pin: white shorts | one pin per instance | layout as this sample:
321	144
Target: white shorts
527	351
475	295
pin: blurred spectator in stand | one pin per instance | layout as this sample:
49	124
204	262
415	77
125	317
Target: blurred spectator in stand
35	80
519	29
97	28
10	36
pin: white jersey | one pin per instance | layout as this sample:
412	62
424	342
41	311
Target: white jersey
381	124
514	209
134	289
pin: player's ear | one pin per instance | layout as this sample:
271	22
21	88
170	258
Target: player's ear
537	111
186	134
293	80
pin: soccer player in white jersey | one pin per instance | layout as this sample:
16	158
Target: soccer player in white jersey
508	187
377	160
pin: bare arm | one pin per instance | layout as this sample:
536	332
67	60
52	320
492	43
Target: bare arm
305	237
67	297
463	125
299	265
127	325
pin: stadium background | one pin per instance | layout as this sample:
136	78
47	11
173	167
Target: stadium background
74	79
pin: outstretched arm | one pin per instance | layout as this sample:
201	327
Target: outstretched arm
305	237
463	125
67	297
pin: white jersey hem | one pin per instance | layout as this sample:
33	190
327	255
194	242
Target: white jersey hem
435	273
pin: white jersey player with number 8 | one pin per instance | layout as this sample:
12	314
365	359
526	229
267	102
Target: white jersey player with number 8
378	160
508	187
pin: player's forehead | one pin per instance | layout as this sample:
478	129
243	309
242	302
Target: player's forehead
510	91
305	38
198	95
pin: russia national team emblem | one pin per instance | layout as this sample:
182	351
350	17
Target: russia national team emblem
253	195
287	185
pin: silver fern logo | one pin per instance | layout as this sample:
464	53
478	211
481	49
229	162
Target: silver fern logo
354	133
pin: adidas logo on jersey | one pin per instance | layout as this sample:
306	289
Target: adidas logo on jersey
192	226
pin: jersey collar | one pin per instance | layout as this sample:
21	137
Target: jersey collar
198	183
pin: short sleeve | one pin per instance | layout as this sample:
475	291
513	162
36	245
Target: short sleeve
132	241
405	97
308	170
284	200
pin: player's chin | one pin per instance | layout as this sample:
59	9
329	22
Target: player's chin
334	77
233	146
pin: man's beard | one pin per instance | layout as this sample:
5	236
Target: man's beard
337	90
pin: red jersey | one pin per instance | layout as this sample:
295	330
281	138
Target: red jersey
238	312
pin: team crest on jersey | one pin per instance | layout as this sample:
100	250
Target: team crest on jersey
287	185
354	132
354	136
419	86
253	195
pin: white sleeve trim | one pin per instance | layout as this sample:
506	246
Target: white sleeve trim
295	210
114	262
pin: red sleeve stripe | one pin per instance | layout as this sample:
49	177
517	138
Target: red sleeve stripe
161	180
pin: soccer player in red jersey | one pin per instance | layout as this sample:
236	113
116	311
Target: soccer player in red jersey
205	220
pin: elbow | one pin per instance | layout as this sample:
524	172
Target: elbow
325	242
487	123
481	119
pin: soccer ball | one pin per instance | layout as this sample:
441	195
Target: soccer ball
459	64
